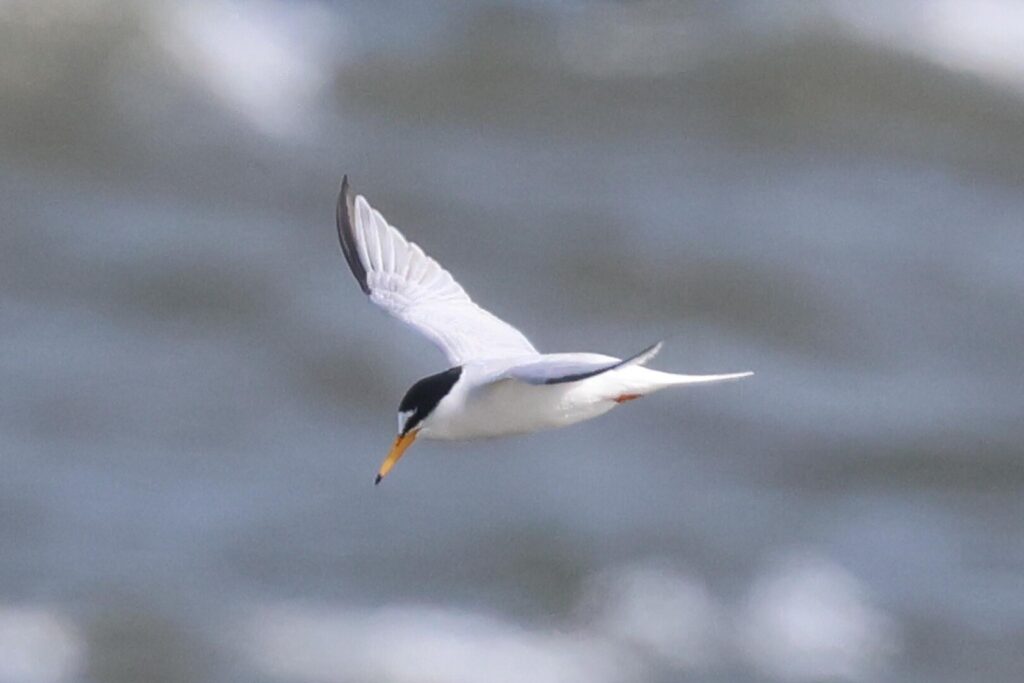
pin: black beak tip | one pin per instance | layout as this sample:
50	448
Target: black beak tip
377	480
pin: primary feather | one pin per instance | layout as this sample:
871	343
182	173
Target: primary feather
414	288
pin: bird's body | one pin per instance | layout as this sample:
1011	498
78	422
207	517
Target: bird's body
489	401
497	383
486	402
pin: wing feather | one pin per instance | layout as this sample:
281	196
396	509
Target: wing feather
561	368
400	278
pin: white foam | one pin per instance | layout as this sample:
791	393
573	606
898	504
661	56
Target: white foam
266	61
422	643
983	37
37	645
808	619
805	619
668	615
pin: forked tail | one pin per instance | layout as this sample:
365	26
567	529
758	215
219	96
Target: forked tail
666	379
567	368
705	379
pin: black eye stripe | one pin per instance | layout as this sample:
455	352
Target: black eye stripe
424	395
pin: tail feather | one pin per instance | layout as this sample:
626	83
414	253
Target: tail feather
706	379
672	378
634	381
656	380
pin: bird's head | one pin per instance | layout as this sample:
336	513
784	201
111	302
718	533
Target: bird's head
415	413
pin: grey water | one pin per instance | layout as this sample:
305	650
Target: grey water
195	395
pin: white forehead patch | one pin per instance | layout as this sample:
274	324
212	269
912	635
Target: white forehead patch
403	417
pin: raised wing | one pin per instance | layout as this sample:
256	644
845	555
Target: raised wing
414	288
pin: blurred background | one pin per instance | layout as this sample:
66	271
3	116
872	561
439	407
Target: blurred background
195	395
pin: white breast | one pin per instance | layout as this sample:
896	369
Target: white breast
478	407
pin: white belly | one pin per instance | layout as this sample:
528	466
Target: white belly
511	407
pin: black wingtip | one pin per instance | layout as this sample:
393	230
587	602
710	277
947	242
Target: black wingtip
636	359
346	234
377	480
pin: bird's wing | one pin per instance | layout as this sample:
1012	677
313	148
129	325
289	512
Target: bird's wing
408	284
573	367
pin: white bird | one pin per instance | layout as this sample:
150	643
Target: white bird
498	383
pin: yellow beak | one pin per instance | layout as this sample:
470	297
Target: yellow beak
401	443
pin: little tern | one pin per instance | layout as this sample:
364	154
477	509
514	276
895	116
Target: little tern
498	383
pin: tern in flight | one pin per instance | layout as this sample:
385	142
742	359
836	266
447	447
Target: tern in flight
498	383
